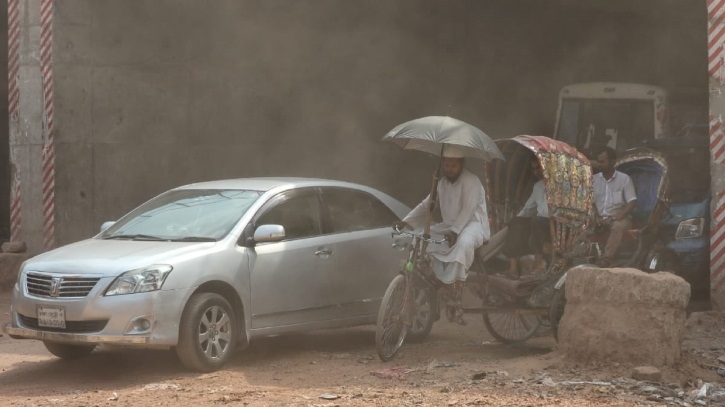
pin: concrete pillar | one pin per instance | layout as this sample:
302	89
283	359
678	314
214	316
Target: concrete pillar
716	34
4	138
26	123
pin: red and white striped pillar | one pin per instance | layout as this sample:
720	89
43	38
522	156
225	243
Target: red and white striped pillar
16	207
716	70
48	155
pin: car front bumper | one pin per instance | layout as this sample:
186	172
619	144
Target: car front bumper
162	310
25	333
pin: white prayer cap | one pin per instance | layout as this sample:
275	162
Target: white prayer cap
452	152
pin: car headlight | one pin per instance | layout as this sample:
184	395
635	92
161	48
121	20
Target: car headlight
142	280
691	228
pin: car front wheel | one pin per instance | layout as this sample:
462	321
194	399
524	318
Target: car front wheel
207	332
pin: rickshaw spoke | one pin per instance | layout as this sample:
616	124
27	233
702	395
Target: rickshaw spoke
510	326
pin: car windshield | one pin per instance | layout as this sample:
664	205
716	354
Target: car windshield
185	215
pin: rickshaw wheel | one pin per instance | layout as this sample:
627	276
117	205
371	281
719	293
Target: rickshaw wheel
421	321
392	325
510	326
558	303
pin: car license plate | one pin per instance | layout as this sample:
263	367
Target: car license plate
51	317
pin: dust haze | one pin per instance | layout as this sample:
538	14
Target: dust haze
175	92
340	77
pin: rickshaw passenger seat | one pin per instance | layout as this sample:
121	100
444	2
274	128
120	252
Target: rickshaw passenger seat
646	185
493	247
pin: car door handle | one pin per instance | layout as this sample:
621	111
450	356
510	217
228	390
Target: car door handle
323	252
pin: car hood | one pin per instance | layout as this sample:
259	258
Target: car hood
112	257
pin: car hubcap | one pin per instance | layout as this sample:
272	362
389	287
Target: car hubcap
215	334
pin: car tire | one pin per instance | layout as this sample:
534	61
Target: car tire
208	332
667	261
68	352
422	320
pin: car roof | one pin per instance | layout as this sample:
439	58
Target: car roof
268	183
264	184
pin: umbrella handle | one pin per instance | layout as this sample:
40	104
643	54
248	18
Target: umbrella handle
433	202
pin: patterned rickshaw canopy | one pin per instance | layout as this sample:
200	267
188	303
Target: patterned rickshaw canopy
567	176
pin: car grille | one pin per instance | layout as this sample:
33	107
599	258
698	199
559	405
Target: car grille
44	285
77	327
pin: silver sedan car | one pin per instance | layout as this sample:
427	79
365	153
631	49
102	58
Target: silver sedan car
209	266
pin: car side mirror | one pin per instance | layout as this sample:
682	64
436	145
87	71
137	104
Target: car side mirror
107	225
269	233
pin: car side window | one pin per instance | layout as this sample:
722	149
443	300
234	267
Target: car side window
351	211
299	215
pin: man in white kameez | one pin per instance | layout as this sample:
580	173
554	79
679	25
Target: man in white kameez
462	203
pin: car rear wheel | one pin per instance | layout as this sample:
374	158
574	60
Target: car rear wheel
67	351
207	332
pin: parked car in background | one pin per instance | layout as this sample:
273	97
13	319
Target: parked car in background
686	225
209	266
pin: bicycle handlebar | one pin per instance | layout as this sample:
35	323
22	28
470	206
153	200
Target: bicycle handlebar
420	236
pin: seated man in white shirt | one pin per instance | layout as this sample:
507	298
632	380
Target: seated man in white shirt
615	200
529	230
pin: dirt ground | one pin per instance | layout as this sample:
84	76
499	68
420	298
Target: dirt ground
455	366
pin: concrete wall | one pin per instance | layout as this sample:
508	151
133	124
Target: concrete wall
151	94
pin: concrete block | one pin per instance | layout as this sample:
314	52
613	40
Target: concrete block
627	286
9	266
624	315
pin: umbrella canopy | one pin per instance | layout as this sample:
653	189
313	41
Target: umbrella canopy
431	134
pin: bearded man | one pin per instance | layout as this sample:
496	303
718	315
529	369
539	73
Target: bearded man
462	202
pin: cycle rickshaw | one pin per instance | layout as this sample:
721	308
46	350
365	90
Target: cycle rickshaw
643	246
513	309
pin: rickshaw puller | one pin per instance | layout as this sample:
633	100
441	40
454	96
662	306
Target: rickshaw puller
462	203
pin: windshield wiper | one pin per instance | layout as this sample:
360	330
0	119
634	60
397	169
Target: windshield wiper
134	237
193	239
